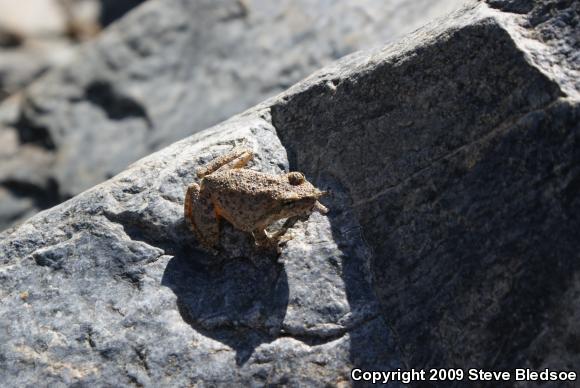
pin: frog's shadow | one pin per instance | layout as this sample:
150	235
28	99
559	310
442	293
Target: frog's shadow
234	300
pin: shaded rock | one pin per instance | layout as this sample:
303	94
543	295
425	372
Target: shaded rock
450	240
173	67
460	156
111	10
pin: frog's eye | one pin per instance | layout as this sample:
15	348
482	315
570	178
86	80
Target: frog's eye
295	178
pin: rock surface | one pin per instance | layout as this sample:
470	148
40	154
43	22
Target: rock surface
459	149
453	161
36	36
174	67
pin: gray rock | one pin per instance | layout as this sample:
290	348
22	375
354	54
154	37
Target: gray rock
174	67
108	288
37	36
459	150
452	158
30	18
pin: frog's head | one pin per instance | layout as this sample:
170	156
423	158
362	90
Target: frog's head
301	197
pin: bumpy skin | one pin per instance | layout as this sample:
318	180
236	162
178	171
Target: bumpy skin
249	200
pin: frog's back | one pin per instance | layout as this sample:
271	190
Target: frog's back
243	197
243	182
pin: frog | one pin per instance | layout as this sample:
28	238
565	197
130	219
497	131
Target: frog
249	200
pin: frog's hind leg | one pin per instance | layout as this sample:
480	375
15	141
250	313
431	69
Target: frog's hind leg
236	158
239	162
200	217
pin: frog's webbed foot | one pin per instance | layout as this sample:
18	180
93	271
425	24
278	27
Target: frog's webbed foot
201	218
236	158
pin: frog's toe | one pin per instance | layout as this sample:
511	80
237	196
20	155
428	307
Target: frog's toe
264	241
282	240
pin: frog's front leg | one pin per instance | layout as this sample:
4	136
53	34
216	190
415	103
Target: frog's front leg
201	217
270	242
263	240
236	158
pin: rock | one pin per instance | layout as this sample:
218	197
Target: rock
36	36
86	18
452	157
459	150
136	303
32	18
172	68
83	18
22	65
53	19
